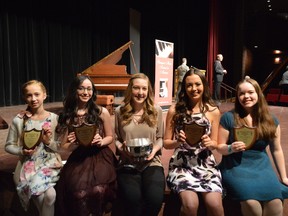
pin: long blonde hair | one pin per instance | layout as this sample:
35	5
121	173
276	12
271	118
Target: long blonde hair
127	110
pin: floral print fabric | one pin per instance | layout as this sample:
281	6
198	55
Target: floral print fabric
194	168
39	171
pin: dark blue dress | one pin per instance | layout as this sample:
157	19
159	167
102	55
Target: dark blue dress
249	174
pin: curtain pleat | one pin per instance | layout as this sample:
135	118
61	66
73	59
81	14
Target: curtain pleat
54	42
212	40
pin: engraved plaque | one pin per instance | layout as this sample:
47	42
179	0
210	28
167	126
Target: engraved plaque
32	138
85	133
245	134
194	132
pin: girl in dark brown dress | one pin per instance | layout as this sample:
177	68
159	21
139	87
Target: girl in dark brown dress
88	179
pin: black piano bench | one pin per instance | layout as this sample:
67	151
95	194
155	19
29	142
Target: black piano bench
106	101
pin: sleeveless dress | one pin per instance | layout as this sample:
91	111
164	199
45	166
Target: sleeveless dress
194	168
87	181
249	174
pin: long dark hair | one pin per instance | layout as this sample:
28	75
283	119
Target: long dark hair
70	105
183	104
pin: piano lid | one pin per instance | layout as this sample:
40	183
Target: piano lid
110	59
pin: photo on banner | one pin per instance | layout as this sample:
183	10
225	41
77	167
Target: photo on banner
164	54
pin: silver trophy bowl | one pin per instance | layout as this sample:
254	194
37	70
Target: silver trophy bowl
139	147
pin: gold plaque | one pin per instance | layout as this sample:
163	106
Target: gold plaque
32	138
85	133
194	132
245	134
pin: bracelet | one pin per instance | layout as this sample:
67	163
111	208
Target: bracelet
230	150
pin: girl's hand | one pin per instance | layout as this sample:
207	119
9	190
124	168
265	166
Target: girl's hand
124	152
97	140
47	135
28	152
181	137
238	146
207	142
71	137
152	154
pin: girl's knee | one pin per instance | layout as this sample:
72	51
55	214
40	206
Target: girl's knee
189	208
50	196
190	205
273	207
215	209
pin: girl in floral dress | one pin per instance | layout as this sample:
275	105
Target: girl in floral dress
38	167
193	168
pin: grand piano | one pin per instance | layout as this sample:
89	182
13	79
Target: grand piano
107	75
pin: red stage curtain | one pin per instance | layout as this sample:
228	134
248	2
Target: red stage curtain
212	40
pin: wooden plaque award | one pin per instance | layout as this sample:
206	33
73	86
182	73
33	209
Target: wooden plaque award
32	138
85	133
245	134
194	132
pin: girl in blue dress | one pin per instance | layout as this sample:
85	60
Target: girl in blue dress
247	172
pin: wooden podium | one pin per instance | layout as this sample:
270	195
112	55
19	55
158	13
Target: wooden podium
106	101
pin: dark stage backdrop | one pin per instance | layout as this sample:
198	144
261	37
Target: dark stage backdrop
53	41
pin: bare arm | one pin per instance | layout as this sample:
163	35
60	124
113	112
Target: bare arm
159	136
211	141
223	147
223	135
169	141
278	156
108	132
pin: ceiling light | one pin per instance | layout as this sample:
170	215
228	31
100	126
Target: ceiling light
277	51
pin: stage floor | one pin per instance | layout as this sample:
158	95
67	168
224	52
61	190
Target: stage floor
7	161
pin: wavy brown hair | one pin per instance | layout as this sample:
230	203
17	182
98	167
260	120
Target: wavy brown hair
127	109
262	118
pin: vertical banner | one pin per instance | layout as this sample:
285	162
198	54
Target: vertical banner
163	73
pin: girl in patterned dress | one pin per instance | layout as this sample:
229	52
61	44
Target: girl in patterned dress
38	168
192	167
